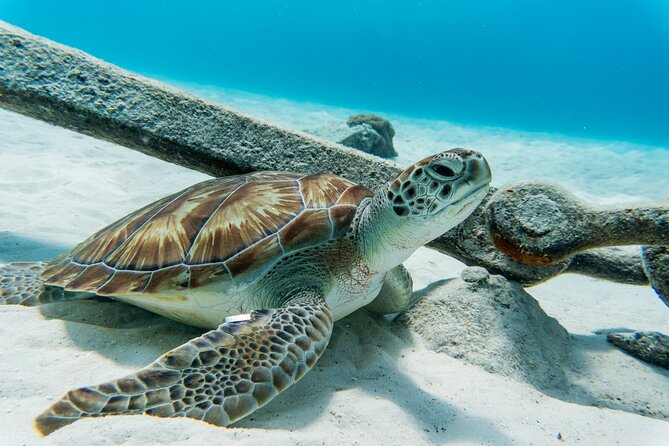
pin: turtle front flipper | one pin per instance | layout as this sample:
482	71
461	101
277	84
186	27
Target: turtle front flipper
220	377
396	293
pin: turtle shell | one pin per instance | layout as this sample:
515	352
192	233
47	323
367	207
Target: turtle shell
222	229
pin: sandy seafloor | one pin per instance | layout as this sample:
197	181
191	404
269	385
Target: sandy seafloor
374	384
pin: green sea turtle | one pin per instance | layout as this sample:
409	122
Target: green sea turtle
267	260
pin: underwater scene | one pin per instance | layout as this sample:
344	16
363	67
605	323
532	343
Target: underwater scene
430	222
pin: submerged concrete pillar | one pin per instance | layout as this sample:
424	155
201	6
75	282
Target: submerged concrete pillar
72	89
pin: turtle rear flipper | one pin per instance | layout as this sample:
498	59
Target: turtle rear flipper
220	377
20	284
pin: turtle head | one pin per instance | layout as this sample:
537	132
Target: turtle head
444	187
423	202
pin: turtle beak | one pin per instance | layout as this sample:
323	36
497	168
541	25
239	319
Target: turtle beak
477	168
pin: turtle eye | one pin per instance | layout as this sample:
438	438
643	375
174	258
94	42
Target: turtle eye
444	171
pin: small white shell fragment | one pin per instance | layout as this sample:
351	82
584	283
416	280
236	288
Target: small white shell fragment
239	318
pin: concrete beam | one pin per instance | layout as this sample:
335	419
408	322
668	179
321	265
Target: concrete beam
69	88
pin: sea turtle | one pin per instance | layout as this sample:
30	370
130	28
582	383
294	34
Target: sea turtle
267	261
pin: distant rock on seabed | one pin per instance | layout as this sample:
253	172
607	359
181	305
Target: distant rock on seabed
364	137
650	346
368	133
383	127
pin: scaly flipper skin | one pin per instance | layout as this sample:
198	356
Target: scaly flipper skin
220	377
20	284
396	293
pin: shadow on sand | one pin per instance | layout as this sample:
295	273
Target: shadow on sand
591	371
363	352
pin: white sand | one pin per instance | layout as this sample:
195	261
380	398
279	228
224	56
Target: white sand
373	385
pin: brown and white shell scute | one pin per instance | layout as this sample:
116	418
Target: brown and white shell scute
220	229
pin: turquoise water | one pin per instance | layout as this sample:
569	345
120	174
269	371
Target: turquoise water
597	68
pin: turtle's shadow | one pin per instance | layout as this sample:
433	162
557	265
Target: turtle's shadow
363	353
124	333
18	248
366	355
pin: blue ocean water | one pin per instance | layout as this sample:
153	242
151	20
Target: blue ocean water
597	68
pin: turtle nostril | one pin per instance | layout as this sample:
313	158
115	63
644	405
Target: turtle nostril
445	190
443	170
401	211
